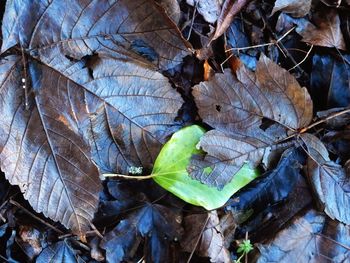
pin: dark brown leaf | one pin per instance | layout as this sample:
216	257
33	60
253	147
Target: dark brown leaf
206	228
329	180
238	109
309	238
89	87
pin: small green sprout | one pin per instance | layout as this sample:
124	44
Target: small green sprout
244	248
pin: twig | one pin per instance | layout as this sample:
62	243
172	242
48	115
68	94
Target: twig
263	45
302	61
324	120
35	217
197	241
192	21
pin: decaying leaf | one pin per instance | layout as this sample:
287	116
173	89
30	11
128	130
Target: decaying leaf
330	81
210	10
330	181
272	187
158	224
325	31
205	228
309	238
295	8
59	252
88	89
238	108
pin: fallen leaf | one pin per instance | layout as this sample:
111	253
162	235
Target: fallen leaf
332	186
205	228
295	8
309	238
88	88
325	31
159	226
170	172
329	180
270	188
250	114
330	81
229	10
59	252
210	10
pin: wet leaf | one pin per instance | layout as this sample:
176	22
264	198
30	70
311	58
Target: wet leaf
250	114
59	252
89	87
309	238
272	187
330	81
170	172
158	224
206	229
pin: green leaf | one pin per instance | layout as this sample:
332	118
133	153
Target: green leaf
170	172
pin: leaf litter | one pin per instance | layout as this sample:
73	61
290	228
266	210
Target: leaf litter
90	88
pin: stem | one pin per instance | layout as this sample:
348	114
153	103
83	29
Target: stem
325	119
138	177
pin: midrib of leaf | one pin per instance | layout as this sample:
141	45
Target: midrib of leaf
58	168
94	94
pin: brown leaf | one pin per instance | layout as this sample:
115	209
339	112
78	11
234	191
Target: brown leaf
325	31
211	243
295	8
250	113
309	238
229	10
88	87
330	181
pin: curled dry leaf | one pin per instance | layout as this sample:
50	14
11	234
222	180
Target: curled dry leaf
295	8
250	114
88	88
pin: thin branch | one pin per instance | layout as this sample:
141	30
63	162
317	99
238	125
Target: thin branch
303	60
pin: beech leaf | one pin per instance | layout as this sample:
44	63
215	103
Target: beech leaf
250	114
92	73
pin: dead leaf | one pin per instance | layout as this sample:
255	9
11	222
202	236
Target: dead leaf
329	180
87	85
309	238
211	239
59	252
210	10
295	8
325	31
229	10
250	113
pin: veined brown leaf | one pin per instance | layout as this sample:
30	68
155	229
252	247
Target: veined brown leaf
92	74
250	113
